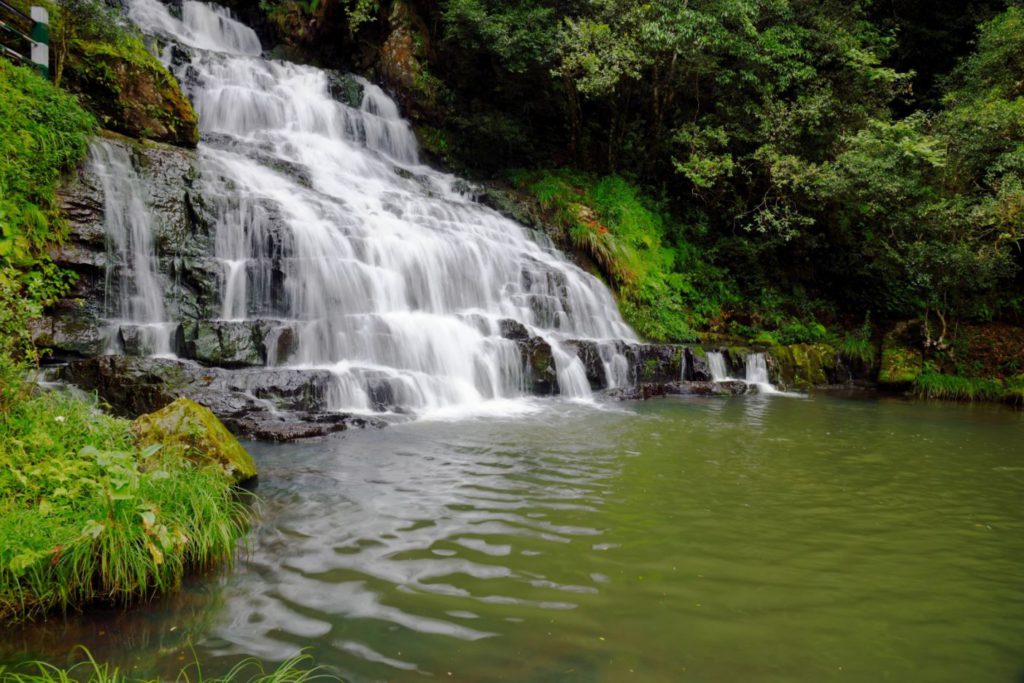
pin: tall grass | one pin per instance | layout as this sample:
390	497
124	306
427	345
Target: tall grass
85	515
298	669
934	384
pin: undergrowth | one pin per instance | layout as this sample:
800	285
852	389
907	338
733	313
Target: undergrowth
666	290
43	132
86	515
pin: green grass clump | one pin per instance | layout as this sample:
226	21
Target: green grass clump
43	132
933	384
298	669
666	289
86	515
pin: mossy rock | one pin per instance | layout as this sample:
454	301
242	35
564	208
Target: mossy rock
131	92
902	361
191	428
803	366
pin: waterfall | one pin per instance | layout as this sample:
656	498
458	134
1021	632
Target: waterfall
716	364
757	373
376	265
133	291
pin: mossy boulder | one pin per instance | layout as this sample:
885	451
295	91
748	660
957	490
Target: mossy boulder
131	92
189	427
902	357
803	366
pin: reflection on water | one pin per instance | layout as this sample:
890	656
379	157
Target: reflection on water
759	538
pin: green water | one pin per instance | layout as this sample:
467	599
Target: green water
745	539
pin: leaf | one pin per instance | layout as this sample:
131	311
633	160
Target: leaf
148	518
151	450
158	557
94	528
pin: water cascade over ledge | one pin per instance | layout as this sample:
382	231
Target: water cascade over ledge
352	255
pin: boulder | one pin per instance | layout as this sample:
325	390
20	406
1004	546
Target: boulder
657	363
130	91
589	353
539	363
344	88
185	426
804	366
902	357
229	344
697	369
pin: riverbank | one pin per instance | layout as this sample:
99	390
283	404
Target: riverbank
95	508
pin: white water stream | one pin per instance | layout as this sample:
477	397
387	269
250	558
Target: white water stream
374	263
133	290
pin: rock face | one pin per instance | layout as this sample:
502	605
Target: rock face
804	366
131	92
277	404
186	426
182	225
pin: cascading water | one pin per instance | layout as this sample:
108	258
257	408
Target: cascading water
134	295
757	373
716	365
370	262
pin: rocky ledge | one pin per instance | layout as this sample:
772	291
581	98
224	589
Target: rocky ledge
271	404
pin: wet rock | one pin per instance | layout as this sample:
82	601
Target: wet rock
190	429
267	403
137	340
656	363
344	88
71	335
283	388
697	369
512	204
590	355
541	373
647	390
295	427
133	386
513	329
131	92
229	344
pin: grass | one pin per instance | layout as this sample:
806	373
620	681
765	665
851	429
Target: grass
294	670
85	515
43	133
666	289
933	384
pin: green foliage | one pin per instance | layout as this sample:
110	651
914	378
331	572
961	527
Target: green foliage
297	669
43	132
86	515
666	290
857	345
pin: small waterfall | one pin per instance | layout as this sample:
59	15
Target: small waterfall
372	266
716	364
133	291
757	373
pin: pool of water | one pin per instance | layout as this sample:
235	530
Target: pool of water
744	539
